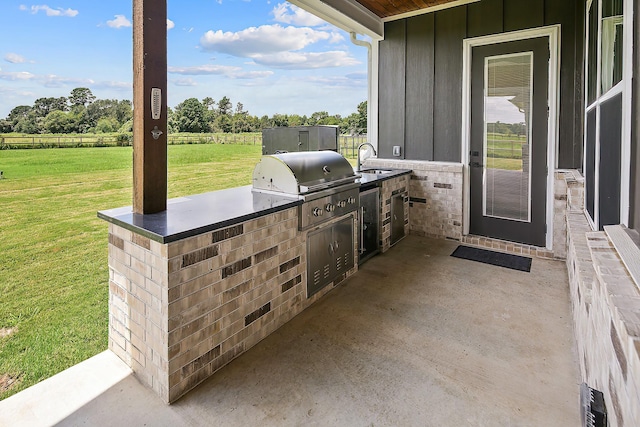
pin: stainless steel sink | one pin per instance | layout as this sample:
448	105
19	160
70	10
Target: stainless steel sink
376	171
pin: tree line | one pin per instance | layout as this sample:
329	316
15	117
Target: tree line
81	112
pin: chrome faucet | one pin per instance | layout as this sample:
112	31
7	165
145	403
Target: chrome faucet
359	148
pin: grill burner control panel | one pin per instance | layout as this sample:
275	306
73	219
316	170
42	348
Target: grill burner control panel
317	211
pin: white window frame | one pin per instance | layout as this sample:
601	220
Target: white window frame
623	87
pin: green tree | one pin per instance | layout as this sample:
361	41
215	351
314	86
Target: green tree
18	113
362	118
6	126
210	112
126	126
81	96
80	122
119	111
280	120
107	125
190	116
225	106
224	123
43	106
297	120
30	123
14	116
124	111
58	122
319	118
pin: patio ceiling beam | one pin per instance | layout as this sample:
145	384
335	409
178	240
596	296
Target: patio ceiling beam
149	124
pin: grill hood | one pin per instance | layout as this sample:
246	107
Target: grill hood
302	173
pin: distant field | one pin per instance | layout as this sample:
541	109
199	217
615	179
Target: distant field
53	248
20	141
347	144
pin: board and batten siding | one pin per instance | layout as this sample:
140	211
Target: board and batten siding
420	83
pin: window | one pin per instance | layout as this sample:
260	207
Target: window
592	52
607	103
611	44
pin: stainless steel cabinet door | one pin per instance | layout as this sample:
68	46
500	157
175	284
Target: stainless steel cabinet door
319	259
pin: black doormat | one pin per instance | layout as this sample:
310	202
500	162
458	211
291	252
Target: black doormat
515	262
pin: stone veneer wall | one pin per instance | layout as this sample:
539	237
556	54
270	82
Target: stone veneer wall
435	196
606	312
436	206
180	311
391	188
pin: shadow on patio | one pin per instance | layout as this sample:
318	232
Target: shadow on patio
416	337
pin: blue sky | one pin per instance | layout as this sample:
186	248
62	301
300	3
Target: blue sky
270	55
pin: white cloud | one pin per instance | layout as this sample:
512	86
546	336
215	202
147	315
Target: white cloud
261	40
5	91
54	81
306	60
51	80
251	75
200	70
121	86
290	14
120	21
185	82
217	70
71	13
357	76
18	75
336	38
14	58
332	82
170	24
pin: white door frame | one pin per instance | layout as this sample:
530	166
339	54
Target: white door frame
553	33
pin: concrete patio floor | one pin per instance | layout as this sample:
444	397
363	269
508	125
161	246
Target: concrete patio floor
416	337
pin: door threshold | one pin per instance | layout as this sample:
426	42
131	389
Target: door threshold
506	246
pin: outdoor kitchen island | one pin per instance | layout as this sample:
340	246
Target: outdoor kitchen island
193	287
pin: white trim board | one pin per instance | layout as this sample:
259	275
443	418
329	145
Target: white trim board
553	33
431	9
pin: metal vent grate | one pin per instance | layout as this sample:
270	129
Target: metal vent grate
593	411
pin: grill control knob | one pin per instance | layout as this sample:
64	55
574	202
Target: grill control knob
342	203
330	207
351	200
317	212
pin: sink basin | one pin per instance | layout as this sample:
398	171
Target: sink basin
376	171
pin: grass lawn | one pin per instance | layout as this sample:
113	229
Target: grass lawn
53	248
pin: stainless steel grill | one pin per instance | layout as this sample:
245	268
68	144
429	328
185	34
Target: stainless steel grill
323	179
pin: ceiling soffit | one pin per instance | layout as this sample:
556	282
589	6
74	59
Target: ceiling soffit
391	9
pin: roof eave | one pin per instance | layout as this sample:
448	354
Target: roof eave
348	15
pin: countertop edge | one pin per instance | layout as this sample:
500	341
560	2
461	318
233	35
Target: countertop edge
124	219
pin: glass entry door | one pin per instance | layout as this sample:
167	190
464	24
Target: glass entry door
508	155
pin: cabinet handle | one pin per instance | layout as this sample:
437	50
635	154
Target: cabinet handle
362	230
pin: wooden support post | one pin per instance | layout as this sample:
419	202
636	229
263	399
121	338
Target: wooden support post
149	130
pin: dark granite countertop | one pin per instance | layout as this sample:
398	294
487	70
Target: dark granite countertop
193	215
201	213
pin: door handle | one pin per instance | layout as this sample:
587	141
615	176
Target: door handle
475	164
